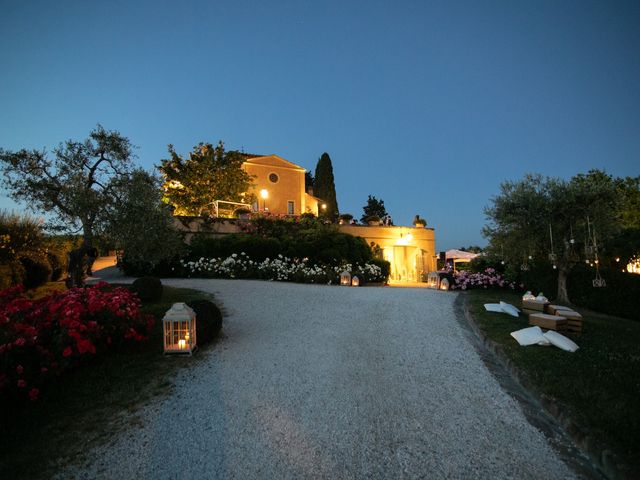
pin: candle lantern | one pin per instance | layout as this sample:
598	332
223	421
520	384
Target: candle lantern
355	281
345	278
179	326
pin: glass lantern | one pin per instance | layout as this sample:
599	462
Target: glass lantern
179	327
355	281
345	278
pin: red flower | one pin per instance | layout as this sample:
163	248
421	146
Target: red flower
22	383
67	352
19	369
33	394
83	345
19	342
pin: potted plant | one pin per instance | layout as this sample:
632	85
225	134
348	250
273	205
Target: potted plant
373	220
419	222
345	218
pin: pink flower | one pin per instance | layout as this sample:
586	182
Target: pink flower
22	383
19	369
33	394
67	352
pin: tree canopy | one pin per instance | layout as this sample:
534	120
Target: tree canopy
146	243
209	173
324	187
542	218
374	207
76	185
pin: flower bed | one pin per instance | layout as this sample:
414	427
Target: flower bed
44	337
280	268
490	278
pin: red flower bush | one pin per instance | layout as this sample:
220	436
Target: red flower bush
44	337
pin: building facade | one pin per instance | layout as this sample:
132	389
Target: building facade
279	186
411	251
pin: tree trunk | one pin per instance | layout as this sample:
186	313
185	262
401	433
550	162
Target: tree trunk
563	295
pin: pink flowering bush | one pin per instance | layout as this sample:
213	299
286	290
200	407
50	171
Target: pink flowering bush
44	337
487	279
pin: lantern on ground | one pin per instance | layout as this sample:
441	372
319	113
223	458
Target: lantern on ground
355	281
179	326
433	280
345	278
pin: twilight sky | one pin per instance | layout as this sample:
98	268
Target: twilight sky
428	105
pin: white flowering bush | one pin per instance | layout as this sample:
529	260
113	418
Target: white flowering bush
280	269
490	278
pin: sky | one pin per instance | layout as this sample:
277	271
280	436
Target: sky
427	105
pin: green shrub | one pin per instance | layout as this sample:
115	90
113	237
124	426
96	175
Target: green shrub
149	289
11	273
384	265
619	297
256	247
37	270
208	320
18	234
58	262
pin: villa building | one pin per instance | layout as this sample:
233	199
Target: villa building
411	251
279	186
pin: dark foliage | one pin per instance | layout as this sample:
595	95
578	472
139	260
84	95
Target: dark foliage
37	269
619	297
374	208
208	320
11	273
304	239
149	289
325	188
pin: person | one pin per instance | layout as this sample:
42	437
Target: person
92	255
75	272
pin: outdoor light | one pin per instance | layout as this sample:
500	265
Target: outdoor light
179	325
355	281
324	206
433	279
345	278
264	193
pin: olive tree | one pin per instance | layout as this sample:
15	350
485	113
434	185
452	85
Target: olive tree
555	220
75	184
208	173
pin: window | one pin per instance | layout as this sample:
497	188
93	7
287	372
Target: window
290	207
273	177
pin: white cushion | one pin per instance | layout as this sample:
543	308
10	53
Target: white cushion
493	307
510	309
530	336
561	341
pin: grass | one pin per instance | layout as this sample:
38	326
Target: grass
88	406
598	386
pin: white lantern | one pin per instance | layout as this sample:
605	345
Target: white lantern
179	326
345	278
433	280
355	281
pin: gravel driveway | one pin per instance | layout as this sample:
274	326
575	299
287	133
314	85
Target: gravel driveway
331	382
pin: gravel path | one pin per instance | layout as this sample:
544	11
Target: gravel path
329	382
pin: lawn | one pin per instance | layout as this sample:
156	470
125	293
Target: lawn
88	406
598	386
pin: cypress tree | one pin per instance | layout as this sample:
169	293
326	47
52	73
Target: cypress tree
325	188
